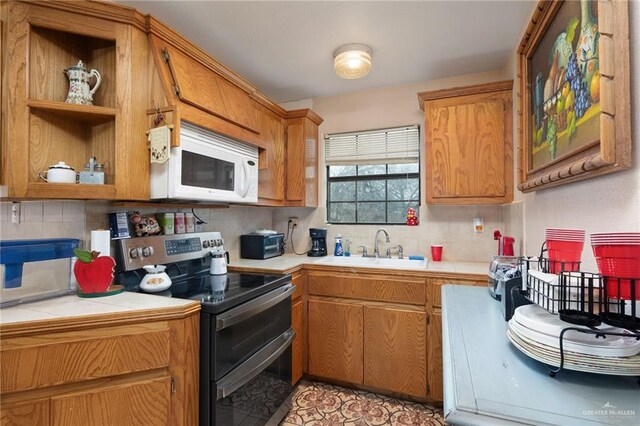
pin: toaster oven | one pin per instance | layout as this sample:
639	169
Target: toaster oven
261	246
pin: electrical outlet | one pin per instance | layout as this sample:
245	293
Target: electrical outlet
294	222
15	212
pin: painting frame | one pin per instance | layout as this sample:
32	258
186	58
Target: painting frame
612	151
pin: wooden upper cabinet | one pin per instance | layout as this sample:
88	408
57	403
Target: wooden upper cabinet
271	173
199	86
302	158
468	144
41	129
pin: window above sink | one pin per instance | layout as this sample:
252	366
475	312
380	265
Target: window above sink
373	177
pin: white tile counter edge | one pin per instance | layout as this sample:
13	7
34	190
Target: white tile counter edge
74	306
291	261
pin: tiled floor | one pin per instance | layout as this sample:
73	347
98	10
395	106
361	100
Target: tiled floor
316	404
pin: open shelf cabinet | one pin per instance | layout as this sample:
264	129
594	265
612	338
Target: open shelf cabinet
43	129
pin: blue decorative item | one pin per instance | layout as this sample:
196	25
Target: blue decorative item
15	253
338	248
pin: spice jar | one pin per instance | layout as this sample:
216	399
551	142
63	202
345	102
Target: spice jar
92	173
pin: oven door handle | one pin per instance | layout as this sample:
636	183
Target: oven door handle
254	307
254	365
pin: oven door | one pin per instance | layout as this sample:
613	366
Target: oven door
242	331
258	391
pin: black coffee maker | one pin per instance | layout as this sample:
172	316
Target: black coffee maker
318	242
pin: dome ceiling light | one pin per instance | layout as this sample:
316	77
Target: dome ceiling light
352	61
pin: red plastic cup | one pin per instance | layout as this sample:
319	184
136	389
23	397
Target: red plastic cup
619	288
436	253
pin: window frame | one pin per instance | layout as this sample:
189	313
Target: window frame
361	178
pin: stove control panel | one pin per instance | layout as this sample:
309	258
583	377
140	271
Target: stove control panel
134	253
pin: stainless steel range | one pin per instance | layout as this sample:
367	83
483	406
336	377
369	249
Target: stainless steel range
245	325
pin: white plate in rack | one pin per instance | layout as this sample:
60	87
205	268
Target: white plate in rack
583	343
628	366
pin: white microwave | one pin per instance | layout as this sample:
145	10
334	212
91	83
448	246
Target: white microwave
207	167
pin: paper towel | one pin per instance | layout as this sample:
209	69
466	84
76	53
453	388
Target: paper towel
101	241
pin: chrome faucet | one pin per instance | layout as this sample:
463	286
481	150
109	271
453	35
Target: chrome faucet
376	251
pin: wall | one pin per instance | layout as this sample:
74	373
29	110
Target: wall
608	203
76	219
447	225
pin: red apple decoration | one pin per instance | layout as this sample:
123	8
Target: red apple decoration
93	272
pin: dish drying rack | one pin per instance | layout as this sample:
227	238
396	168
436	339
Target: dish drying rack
582	298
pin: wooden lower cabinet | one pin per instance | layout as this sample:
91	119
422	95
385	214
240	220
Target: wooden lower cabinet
335	340
395	342
110	370
297	357
434	333
141	402
377	330
434	356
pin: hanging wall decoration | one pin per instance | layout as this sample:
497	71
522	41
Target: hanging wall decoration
573	93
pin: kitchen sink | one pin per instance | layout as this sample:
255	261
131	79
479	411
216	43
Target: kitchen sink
372	262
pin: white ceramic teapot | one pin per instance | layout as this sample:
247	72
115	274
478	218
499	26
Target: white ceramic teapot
156	279
79	89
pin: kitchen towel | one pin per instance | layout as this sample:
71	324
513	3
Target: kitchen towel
101	241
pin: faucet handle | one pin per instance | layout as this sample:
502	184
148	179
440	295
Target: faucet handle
364	251
400	251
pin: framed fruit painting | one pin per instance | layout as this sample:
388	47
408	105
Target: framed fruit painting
573	92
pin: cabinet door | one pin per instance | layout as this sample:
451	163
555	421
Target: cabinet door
297	345
335	341
469	148
200	86
395	350
271	176
302	158
137	403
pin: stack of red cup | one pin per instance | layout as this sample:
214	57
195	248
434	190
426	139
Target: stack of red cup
564	247
618	258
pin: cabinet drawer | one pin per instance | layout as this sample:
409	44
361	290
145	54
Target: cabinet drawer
67	357
369	287
137	403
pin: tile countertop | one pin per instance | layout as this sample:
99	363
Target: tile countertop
487	381
289	262
74	306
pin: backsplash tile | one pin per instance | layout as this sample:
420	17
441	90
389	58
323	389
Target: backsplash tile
73	211
52	211
32	211
449	226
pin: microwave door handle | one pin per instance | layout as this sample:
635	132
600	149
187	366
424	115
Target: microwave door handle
244	183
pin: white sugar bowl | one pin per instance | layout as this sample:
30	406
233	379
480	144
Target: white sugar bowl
156	280
60	173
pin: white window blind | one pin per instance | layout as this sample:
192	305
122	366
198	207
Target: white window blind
384	146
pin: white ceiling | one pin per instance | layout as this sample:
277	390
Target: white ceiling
285	48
